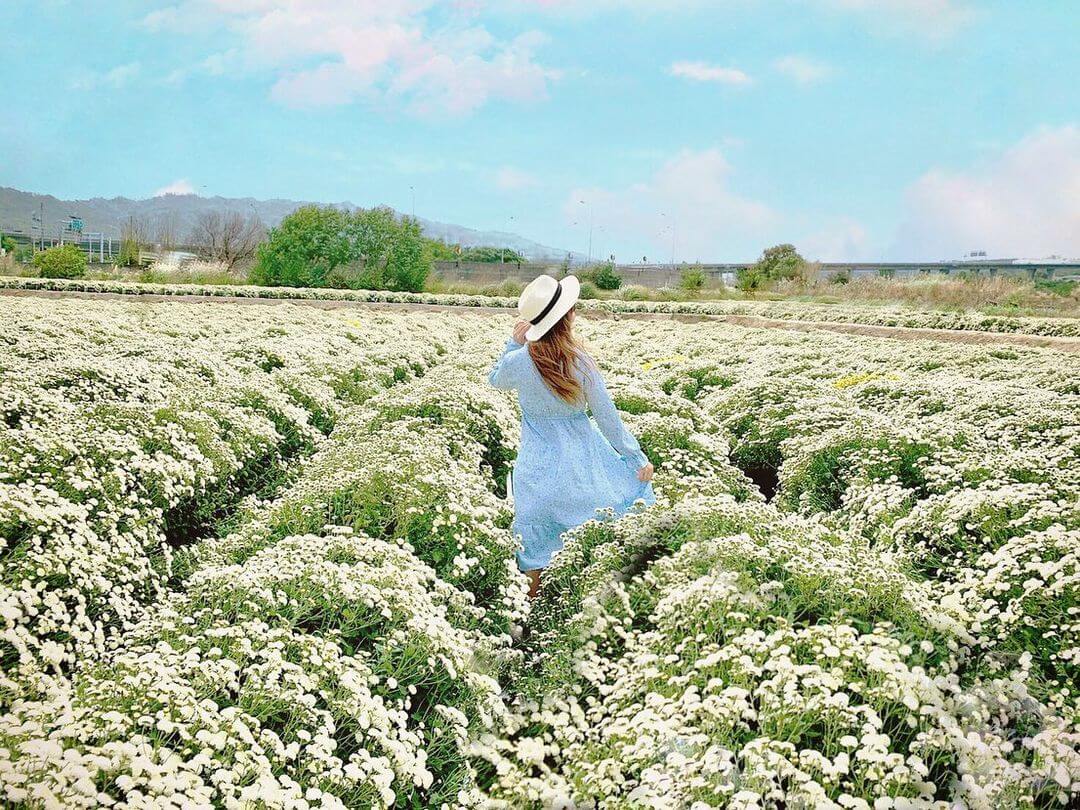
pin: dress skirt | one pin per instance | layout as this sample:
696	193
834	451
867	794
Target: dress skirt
566	471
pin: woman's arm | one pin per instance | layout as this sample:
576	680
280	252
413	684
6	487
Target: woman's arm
608	419
502	375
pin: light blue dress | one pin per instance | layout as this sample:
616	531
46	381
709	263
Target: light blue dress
566	468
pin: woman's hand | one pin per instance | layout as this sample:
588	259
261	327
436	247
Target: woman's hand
520	328
645	474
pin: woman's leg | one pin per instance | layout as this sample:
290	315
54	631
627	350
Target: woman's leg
534	582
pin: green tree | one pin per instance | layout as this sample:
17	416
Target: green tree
492	255
321	246
604	276
408	264
442	252
386	253
302	250
778	263
7	244
62	261
692	279
371	235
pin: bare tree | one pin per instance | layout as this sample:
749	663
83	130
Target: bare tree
167	235
136	230
229	238
133	235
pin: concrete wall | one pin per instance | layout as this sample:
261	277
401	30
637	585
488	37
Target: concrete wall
656	276
481	273
493	272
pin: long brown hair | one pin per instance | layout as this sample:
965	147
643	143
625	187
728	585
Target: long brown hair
557	356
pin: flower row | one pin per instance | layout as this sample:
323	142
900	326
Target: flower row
782	310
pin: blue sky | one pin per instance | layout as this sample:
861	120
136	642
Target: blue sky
858	129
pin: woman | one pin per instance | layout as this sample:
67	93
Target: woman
566	469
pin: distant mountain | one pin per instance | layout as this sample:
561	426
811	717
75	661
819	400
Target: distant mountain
178	213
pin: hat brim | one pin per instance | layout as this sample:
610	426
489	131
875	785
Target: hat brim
571	290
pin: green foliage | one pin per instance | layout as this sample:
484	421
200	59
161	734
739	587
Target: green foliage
408	264
778	263
818	484
491	254
301	251
507	288
129	253
692	279
603	276
62	261
7	244
1061	286
588	289
440	251
322	246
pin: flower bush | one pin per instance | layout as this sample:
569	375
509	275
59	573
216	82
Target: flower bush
781	310
261	556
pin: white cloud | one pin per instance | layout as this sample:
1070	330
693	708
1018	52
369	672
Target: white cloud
1024	203
933	19
704	72
179	187
578	8
225	63
841	240
802	69
693	192
936	19
117	77
509	178
417	53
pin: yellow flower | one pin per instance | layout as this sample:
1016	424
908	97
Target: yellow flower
663	361
854	379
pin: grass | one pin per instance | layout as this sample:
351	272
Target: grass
193	273
990	295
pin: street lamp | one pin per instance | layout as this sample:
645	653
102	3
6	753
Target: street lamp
412	190
502	256
589	260
672	226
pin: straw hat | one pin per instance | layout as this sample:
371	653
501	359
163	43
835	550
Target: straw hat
546	300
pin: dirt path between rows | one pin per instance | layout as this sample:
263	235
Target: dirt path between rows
1062	344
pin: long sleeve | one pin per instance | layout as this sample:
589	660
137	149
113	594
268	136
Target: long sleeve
608	419
503	374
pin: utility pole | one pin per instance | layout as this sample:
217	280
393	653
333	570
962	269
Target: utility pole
590	233
673	246
502	255
39	218
412	189
589	205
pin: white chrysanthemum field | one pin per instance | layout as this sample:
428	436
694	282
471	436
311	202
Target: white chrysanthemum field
259	556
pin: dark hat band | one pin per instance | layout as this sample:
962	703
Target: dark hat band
550	306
